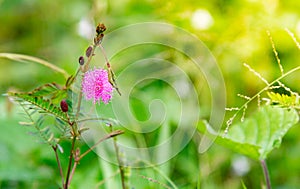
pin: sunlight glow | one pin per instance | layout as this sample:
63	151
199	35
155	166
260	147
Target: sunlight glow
85	28
202	19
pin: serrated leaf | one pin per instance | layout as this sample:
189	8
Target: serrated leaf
259	134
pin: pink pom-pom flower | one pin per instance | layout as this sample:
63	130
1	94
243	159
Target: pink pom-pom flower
96	86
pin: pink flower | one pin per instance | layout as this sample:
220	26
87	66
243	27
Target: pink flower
96	87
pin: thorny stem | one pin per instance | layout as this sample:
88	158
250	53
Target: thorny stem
266	173
121	167
59	164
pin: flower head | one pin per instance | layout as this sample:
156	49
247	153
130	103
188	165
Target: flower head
96	86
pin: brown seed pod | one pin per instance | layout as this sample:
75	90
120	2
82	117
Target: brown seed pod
88	51
81	60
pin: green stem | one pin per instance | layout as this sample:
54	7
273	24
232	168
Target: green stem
266	173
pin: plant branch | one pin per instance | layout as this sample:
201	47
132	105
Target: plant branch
121	167
104	53
155	181
259	93
76	162
59	164
98	119
70	163
266	173
110	135
161	173
73	171
26	58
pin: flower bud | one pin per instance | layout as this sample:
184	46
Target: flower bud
98	39
100	28
64	105
88	51
81	60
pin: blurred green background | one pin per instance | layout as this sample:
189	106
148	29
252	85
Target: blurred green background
233	30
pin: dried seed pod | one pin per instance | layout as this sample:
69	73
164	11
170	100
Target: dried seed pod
81	60
88	51
98	39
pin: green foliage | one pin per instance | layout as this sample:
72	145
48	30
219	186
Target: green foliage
283	99
259	134
42	113
27	32
37	98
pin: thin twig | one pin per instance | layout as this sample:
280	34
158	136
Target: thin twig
293	37
111	74
256	73
78	105
76	162
98	119
70	163
121	167
275	52
110	135
155	181
161	174
59	164
103	181
229	122
243	96
266	173
104	53
26	58
72	172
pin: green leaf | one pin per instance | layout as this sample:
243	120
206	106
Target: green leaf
41	103
46	89
283	99
259	134
243	185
